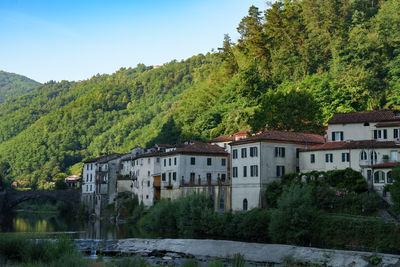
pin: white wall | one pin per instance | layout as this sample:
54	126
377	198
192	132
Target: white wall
252	188
183	169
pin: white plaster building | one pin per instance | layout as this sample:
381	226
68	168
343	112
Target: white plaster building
89	182
192	164
367	141
146	168
263	158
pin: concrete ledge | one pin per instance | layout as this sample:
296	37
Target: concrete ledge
253	252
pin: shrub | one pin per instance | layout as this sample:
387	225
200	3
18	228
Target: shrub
293	221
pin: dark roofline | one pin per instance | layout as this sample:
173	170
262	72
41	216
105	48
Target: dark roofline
268	139
363	144
197	153
364	116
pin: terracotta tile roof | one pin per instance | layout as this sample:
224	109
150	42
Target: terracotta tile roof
109	158
223	138
148	155
283	136
384	165
354	145
366	116
196	148
388	124
91	160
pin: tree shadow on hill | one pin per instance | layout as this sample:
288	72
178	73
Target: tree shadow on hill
170	134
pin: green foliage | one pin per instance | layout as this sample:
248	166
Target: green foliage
395	189
283	111
13	85
20	249
272	193
60	185
294	65
293	221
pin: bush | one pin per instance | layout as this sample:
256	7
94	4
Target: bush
293	221
272	193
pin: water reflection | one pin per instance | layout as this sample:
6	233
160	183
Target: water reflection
53	223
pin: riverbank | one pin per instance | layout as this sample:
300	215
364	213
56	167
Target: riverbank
251	252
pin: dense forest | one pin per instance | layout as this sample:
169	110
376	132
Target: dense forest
294	65
13	85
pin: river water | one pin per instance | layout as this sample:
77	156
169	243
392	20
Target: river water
52	223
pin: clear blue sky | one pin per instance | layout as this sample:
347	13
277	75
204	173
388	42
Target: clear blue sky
76	39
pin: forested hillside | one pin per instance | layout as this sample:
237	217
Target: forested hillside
294	65
14	85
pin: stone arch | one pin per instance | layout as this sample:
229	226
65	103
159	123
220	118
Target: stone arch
245	204
70	197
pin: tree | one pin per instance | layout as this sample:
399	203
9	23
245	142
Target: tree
295	110
227	56
293	221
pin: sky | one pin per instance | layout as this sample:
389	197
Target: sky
76	39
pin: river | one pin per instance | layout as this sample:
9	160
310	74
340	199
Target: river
52	223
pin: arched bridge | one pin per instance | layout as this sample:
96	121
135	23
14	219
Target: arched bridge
10	199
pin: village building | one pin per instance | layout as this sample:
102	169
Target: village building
99	182
146	169
195	167
73	181
366	141
261	159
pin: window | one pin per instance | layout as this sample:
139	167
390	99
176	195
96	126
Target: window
329	158
223	177
91	177
373	157
244	204
163	176
244	152
165	162
380	134
345	157
395	133
389	178
148	160
235	172
312	158
90	187
91	166
297	152
253	170
208	161
244	171
169	177
158	160
366	124
175	161
87	188
253	151
337	136
280	152
209	178
148	183
192	161
87	177
169	162
87	167
379	177
147	196
192	176
363	155
148	173
234	154
174	176
280	171
223	162
221	204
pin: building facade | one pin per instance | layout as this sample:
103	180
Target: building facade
366	141
261	159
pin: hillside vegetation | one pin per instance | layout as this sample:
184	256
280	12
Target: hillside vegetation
296	62
12	85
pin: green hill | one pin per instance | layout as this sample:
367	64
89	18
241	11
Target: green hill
12	85
299	61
